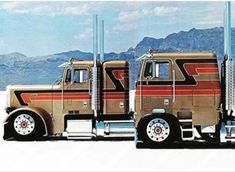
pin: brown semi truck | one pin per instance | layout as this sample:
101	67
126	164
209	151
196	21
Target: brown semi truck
177	98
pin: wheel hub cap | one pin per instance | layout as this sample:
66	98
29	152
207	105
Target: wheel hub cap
24	124
158	130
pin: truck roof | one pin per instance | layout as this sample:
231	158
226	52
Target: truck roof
91	62
82	62
185	55
115	61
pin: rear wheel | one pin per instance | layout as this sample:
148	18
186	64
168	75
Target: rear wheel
159	130
26	126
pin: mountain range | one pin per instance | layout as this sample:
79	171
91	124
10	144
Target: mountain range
16	68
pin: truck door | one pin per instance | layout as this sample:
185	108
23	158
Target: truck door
77	93
157	86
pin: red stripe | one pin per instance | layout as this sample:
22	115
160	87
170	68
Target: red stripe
59	97
114	97
207	70
195	69
116	93
178	92
200	85
202	88
28	97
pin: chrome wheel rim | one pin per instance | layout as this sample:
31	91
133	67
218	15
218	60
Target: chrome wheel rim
24	124
158	130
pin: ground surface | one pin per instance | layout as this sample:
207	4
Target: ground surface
106	156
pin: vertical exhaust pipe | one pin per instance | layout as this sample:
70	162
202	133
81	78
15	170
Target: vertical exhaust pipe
101	41
227	31
95	38
229	61
97	33
94	71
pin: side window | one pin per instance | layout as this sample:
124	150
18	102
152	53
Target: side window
77	76
80	76
162	70
148	70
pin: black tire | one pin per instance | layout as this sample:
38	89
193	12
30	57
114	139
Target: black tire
172	134
37	131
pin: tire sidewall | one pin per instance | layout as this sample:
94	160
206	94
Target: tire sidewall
172	133
34	135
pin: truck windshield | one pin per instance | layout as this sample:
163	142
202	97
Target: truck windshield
59	78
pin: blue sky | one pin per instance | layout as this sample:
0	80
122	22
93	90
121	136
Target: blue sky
42	28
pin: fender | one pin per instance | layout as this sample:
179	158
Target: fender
149	114
45	117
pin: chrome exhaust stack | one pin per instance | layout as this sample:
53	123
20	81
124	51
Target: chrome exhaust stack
227	130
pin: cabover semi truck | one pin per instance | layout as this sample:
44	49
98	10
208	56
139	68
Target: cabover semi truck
178	97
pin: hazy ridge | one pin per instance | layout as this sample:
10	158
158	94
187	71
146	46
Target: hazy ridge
16	68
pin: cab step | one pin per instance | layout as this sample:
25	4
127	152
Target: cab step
77	135
187	129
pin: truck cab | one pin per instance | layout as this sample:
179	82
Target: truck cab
177	94
67	109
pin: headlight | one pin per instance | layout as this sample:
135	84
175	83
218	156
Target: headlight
8	99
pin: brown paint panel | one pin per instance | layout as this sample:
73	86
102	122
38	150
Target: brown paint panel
115	87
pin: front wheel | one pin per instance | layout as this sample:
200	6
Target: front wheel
26	126
159	130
